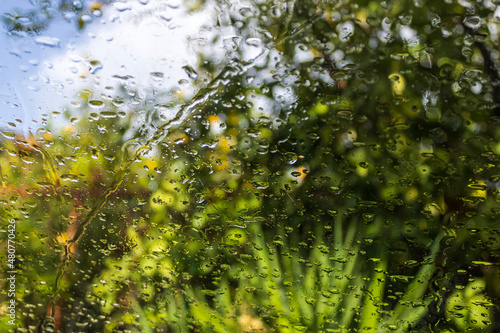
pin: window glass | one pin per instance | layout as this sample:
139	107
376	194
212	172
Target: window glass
249	166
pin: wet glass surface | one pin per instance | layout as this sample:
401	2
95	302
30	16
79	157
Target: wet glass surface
250	166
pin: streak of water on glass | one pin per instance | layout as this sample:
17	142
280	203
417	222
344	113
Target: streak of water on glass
142	148
128	158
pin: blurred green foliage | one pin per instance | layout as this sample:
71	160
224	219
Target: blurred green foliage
337	171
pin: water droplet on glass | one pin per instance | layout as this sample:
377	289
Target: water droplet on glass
24	21
8	135
472	22
191	72
157	76
86	18
108	114
78	4
94	66
373	21
48	41
96	104
291	158
255	42
122	6
246	12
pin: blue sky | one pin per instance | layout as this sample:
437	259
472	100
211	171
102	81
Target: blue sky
42	73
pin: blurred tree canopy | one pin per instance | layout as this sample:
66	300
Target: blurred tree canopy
336	170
